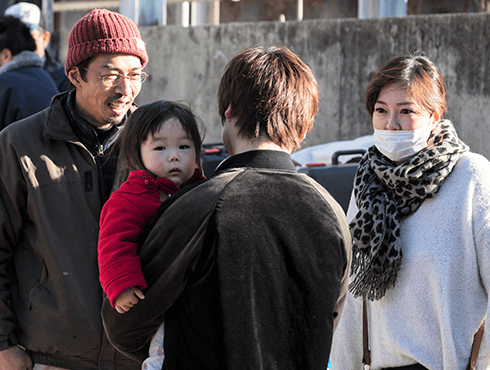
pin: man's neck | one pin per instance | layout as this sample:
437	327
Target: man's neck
239	144
242	146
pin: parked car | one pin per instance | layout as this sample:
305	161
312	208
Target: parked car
337	178
211	156
333	165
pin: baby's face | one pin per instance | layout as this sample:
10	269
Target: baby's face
170	153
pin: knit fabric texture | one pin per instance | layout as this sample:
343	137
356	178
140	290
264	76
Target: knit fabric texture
104	32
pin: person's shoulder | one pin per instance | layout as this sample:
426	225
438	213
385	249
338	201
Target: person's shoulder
316	188
9	77
138	182
25	132
50	63
124	195
27	78
203	194
219	180
42	71
8	85
471	170
472	157
48	81
23	71
60	79
473	162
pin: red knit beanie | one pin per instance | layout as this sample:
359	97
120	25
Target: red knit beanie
104	32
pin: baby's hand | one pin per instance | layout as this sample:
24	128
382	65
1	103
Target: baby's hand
127	299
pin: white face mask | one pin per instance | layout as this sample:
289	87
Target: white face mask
400	145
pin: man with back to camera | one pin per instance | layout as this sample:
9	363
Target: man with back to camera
25	87
248	270
56	171
31	15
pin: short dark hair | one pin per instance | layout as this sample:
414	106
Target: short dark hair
271	92
415	72
147	120
15	35
83	66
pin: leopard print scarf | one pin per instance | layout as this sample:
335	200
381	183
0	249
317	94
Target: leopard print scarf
385	193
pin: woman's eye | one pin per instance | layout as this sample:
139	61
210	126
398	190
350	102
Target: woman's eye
184	147
159	148
380	110
406	111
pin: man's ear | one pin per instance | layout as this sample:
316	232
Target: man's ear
229	113
46	37
74	76
5	56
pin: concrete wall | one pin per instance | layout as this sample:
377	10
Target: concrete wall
266	10
187	63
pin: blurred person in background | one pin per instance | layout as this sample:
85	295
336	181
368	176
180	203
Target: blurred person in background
32	16
25	87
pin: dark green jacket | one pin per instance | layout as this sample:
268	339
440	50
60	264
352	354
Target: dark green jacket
50	201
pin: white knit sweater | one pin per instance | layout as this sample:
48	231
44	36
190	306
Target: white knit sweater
441	293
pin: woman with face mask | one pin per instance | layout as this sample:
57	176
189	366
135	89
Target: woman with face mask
420	223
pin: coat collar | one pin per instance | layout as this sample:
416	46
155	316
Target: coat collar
23	59
270	159
57	125
141	181
92	137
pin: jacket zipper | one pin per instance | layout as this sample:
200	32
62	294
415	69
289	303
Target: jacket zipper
100	147
100	154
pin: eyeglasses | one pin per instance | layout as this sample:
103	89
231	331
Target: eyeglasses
114	79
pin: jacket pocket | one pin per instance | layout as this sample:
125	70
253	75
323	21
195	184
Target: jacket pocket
40	295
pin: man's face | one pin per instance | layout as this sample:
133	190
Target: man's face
42	40
103	105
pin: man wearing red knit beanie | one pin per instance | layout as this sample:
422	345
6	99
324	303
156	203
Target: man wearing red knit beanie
56	171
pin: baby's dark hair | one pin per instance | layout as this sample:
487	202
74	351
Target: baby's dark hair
147	120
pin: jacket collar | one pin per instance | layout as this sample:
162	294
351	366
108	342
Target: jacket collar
143	180
57	125
23	59
94	138
50	64
270	159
